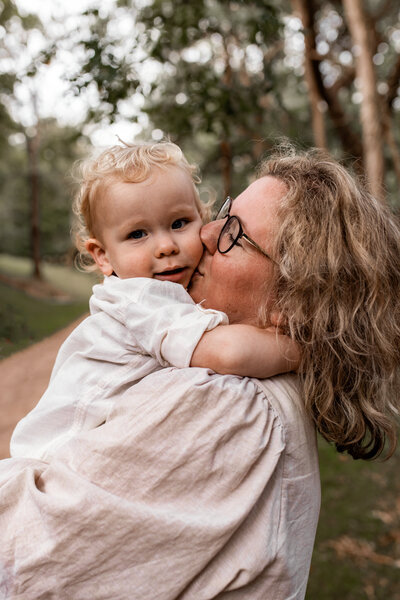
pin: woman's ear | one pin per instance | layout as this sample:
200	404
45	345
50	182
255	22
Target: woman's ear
99	255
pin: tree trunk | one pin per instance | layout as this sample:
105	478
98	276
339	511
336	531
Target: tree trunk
32	147
306	10
372	134
387	124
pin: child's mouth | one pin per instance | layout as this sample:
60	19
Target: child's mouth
174	275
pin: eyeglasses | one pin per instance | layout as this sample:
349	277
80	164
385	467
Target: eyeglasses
232	231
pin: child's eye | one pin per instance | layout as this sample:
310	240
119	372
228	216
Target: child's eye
179	223
137	234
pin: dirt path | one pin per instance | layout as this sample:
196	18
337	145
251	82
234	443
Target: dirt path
24	377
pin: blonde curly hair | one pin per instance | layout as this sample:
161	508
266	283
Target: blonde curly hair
131	163
338	288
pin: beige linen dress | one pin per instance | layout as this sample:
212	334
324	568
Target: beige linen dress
198	486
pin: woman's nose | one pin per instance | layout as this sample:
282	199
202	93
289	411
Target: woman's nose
209	234
165	245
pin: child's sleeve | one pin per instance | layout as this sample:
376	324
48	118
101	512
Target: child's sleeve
172	328
161	319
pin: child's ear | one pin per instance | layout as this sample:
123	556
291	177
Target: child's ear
99	255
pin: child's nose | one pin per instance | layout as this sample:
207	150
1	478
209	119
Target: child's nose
165	245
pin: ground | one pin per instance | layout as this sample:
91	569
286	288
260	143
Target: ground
24	377
37	288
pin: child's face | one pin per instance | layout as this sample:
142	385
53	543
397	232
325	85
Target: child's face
149	229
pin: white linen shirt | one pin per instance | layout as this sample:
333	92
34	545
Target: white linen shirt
136	326
199	486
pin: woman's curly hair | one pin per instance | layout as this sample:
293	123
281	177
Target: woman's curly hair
338	288
130	163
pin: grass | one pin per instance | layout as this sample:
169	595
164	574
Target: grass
25	320
67	279
357	549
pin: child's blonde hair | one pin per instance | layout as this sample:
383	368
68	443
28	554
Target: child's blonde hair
129	163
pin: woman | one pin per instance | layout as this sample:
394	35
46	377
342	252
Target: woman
335	282
206	486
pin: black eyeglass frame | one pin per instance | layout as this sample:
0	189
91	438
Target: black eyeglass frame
223	213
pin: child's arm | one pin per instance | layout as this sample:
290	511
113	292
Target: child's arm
246	350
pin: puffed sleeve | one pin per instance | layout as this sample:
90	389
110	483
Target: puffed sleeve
138	507
160	317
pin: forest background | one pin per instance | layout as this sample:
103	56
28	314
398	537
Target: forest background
225	80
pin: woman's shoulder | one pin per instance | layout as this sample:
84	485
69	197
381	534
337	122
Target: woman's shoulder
282	393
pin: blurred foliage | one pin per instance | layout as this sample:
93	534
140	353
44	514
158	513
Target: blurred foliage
56	149
59	147
112	71
210	75
217	61
12	23
222	78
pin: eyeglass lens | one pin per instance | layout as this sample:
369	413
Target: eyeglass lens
229	235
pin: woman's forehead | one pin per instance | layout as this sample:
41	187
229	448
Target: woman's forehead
257	206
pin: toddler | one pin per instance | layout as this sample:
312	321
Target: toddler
140	216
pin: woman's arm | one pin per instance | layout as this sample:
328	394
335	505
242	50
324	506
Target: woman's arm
246	350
